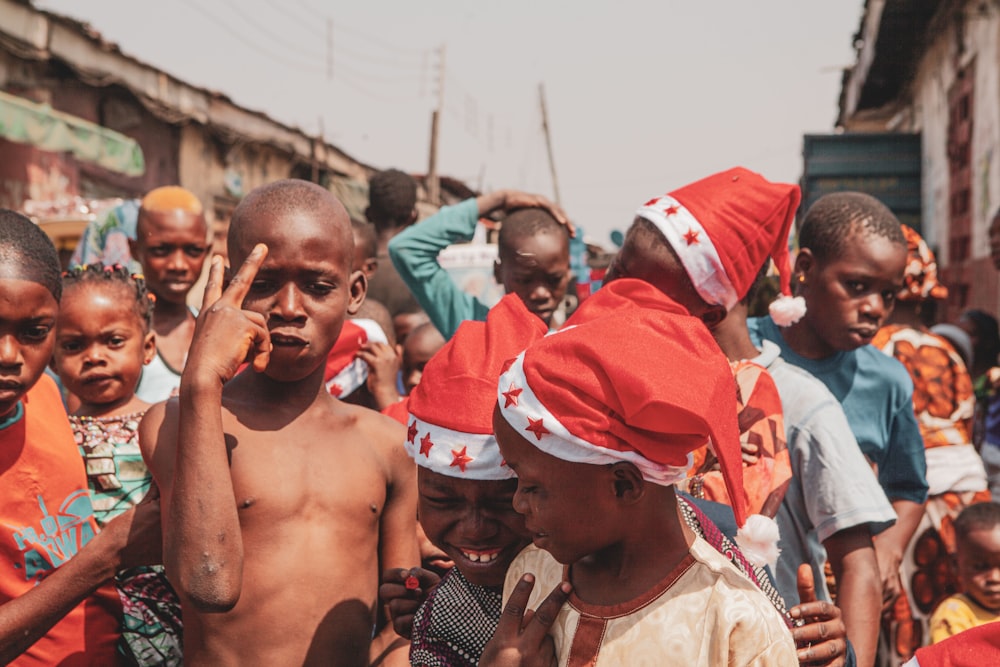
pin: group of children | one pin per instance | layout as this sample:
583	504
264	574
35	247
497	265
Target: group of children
553	469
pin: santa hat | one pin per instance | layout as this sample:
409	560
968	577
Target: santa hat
723	228
450	429
637	382
345	372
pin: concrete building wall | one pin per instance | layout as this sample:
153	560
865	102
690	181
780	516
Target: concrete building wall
977	42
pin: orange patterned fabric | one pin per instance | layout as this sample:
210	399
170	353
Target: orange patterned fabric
928	576
943	401
762	425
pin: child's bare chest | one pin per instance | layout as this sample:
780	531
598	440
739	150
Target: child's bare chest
305	475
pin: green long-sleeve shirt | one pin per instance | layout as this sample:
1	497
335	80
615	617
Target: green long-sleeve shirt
414	252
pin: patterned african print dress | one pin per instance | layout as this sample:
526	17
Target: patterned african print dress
943	403
118	479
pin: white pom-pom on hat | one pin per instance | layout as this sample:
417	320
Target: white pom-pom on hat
787	310
758	540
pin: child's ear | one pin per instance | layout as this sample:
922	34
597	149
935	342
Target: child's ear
149	348
628	482
805	263
358	290
498	271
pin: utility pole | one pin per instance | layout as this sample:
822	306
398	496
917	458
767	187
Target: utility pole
548	141
329	49
433	183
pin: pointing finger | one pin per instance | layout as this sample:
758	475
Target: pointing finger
239	286
213	287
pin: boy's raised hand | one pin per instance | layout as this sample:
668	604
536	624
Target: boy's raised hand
225	335
514	199
522	638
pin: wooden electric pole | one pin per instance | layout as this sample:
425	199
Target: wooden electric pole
548	142
433	183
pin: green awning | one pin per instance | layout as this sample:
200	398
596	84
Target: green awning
25	122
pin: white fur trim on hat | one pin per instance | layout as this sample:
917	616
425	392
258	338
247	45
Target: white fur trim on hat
355	374
454	453
526	415
694	247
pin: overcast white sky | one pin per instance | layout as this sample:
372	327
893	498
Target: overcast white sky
642	97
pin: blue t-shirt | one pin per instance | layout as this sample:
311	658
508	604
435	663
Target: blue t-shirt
876	393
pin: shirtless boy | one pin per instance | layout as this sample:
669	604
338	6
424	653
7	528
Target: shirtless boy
282	501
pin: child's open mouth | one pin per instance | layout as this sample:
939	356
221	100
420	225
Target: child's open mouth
486	556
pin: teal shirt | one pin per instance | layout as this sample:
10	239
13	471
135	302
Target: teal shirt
414	253
876	393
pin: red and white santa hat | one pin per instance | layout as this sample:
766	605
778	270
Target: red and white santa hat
723	228
450	429
345	372
639	382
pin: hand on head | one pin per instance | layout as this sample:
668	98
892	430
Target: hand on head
226	336
514	199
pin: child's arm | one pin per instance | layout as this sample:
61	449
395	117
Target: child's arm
414	252
852	559
398	526
129	540
203	545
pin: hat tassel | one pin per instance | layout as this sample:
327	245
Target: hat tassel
758	540
787	310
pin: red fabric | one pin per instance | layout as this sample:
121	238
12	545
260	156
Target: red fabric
45	518
632	371
458	388
973	648
351	338
748	219
400	411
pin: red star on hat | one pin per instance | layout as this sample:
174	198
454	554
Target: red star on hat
461	459
652	201
411	432
426	444
692	237
671	210
536	427
336	389
510	396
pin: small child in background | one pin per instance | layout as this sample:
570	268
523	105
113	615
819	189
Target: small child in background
420	346
104	339
532	262
977	537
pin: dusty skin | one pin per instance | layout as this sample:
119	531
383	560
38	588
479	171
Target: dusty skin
282	504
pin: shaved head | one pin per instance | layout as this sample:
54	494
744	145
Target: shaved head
26	253
169	201
279	204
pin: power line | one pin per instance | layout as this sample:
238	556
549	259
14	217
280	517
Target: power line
357	33
245	41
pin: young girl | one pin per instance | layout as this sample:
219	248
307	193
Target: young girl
103	341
